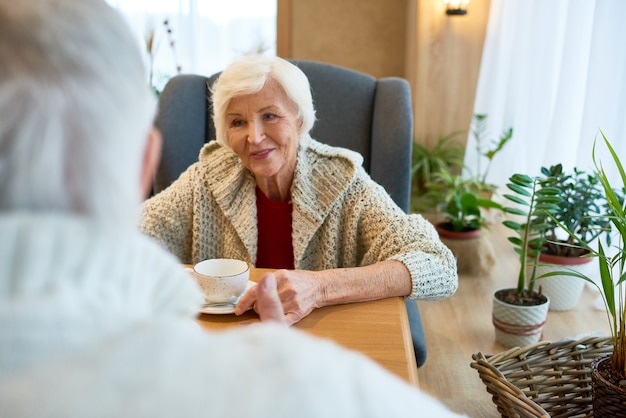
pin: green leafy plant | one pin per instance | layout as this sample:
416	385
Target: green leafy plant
479	131
534	198
462	201
582	210
463	211
445	155
612	268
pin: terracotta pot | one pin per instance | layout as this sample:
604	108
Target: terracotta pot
474	253
444	229
518	326
563	291
608	399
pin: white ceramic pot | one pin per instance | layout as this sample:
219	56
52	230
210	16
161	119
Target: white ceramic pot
518	326
563	291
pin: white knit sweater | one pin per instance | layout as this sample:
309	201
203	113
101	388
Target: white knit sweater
341	218
97	321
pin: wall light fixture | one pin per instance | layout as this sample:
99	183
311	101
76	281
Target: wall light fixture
456	7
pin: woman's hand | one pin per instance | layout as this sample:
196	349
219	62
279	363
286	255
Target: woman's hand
301	291
298	291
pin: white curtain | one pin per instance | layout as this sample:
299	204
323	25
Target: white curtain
554	71
206	34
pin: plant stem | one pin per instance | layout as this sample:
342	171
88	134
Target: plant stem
521	280
484	179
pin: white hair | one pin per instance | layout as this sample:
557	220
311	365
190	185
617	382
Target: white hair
248	75
76	109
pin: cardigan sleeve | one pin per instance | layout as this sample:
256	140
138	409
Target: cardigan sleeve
387	233
168	216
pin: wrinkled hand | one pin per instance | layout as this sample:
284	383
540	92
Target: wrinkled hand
298	291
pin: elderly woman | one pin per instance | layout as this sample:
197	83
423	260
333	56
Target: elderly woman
267	193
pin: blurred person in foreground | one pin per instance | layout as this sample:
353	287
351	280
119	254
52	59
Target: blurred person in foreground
96	319
267	193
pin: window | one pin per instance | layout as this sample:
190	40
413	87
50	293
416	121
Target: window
198	36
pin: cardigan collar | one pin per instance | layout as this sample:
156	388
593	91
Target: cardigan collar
323	174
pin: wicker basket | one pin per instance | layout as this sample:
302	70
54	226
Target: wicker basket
543	379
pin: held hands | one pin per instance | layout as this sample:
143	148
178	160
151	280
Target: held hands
285	296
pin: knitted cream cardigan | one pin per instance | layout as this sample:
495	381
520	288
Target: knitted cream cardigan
341	218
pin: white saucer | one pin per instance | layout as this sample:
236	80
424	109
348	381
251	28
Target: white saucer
224	308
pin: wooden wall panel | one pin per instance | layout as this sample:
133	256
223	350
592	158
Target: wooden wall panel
365	35
439	55
443	71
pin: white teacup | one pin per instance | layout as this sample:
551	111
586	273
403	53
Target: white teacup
222	280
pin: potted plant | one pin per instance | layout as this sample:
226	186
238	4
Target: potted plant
583	211
462	222
609	373
445	155
519	313
461	207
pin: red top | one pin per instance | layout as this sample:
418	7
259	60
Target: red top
275	246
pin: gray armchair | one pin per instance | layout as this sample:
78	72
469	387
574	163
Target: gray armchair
354	110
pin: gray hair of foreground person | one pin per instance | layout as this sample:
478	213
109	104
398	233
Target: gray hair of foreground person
75	114
248	75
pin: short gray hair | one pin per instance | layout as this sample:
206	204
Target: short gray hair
248	75
76	108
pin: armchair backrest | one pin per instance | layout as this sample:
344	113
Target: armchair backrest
354	110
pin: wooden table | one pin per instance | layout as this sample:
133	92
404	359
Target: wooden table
459	326
379	329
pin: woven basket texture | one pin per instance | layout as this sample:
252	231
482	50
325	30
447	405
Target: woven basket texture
608	400
543	379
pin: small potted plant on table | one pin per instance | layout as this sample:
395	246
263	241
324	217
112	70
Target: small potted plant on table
519	313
